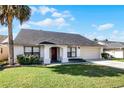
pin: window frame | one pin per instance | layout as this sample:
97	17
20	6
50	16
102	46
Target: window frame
70	53
32	51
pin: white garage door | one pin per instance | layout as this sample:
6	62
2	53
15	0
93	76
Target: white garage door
119	54
90	52
115	53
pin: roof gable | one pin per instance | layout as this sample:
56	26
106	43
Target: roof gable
2	38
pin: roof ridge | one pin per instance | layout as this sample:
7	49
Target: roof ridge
3	37
113	41
50	31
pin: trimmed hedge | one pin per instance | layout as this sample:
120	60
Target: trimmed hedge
77	60
28	60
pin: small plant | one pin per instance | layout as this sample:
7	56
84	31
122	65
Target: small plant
3	62
106	56
34	59
28	60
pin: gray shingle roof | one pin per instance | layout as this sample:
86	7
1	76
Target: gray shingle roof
113	44
2	37
35	37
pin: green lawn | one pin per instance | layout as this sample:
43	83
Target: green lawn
118	59
64	76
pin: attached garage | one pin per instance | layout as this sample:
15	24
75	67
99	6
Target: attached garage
90	52
117	53
113	48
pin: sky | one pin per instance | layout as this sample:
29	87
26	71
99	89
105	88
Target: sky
101	22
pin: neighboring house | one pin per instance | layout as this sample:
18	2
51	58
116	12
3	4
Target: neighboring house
115	49
55	46
3	48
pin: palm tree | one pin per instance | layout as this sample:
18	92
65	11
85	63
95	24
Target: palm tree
7	15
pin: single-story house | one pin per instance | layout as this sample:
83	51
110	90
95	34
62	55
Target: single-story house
55	46
114	48
3	48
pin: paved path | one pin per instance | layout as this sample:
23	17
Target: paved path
110	63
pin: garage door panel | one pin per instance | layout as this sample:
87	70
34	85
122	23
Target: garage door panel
90	53
119	54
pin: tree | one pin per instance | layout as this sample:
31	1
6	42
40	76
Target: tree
106	39
95	39
7	15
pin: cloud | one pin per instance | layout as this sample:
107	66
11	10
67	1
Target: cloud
33	9
56	14
115	32
92	35
117	35
103	27
72	18
73	32
44	10
3	29
58	22
55	18
64	14
46	22
25	25
15	34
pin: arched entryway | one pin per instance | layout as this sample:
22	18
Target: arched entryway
60	52
55	54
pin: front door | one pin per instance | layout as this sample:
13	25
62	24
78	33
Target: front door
54	54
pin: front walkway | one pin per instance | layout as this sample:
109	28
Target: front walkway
110	63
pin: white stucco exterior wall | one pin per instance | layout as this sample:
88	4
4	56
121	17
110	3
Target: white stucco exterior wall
18	50
101	51
4	54
61	53
84	52
64	56
46	54
78	52
41	51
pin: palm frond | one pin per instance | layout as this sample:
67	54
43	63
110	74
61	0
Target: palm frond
23	13
20	12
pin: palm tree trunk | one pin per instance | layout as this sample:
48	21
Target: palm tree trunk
10	39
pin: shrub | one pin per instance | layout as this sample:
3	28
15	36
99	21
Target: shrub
34	59
28	60
77	60
105	56
3	62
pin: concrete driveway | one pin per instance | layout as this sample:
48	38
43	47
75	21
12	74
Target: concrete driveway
110	63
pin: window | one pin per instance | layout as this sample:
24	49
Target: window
72	51
1	50
36	51
32	51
